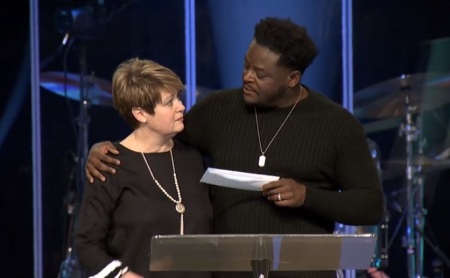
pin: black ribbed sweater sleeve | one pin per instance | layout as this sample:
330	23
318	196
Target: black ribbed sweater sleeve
321	146
360	200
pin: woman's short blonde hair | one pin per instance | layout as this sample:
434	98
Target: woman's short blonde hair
139	83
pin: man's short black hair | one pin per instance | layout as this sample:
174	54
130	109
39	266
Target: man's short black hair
296	48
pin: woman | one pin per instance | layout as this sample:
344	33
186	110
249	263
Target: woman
156	192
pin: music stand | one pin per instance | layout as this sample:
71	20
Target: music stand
261	253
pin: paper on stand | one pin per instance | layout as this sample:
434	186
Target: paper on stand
235	179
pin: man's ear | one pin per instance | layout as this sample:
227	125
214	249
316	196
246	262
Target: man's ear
294	78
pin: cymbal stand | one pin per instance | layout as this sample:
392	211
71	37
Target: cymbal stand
70	267
83	119
382	261
410	131
420	211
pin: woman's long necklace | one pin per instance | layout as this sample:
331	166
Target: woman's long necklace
179	207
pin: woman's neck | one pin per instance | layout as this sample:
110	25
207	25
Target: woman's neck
141	141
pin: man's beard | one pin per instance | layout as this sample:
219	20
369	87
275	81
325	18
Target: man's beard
271	100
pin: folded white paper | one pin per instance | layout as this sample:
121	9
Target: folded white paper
235	179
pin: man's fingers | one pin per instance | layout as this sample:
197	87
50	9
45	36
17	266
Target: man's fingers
92	172
110	149
278	196
271	185
100	160
89	177
279	201
104	168
283	199
99	163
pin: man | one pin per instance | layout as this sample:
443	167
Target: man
275	125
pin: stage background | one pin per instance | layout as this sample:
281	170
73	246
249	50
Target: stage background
391	37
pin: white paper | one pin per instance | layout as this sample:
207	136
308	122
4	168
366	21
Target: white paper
235	179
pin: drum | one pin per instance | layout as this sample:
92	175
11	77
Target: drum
380	255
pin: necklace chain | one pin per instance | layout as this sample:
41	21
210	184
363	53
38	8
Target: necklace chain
262	157
179	205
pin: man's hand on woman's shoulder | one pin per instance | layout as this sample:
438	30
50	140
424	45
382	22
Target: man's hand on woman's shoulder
98	159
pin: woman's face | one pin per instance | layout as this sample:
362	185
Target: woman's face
168	117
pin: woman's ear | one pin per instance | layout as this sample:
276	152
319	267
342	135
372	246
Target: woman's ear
139	114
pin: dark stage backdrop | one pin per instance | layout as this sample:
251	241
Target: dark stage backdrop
390	38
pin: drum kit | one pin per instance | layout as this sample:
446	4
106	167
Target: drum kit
399	103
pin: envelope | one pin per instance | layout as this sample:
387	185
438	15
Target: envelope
236	179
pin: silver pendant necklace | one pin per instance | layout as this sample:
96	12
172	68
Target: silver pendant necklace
262	157
179	207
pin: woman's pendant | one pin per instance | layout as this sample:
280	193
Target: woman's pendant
180	208
262	161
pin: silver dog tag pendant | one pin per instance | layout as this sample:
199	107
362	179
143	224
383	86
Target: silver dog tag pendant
262	161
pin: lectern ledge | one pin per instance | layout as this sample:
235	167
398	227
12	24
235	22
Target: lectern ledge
261	253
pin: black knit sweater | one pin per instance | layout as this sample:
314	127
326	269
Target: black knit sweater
321	145
119	217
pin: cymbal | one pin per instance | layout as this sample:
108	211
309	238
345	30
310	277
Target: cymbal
419	160
425	91
68	85
382	125
396	168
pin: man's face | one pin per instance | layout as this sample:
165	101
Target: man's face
264	81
